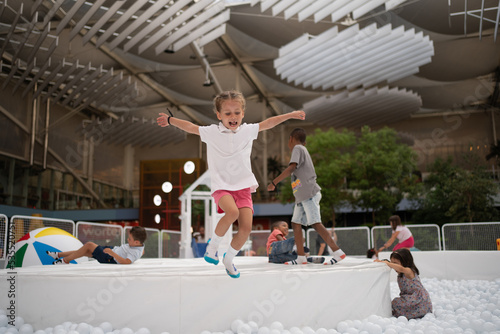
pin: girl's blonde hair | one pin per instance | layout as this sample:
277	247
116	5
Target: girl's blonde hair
228	96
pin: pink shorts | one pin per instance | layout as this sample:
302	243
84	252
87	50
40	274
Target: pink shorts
242	198
408	243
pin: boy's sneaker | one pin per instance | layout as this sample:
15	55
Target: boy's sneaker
299	260
338	256
54	255
316	259
59	261
211	255
231	269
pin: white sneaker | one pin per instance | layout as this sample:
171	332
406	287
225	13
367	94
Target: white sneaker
301	259
54	255
337	256
211	255
230	268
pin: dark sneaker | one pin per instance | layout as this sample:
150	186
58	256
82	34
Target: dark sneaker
59	261
316	259
299	260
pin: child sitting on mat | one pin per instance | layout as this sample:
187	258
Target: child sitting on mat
124	254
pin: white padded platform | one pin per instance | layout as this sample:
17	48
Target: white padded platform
189	295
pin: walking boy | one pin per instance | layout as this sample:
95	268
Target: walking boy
307	195
124	254
229	146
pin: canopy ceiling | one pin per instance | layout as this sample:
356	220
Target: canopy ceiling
125	61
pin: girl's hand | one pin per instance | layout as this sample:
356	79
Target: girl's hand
162	120
270	187
298	114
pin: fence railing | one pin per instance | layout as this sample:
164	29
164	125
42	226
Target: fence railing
355	241
427	236
471	236
170	244
101	234
153	246
3	236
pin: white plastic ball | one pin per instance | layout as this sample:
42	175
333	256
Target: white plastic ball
244	329
277	325
352	330
106	327
342	326
59	329
72	332
67	325
143	330
18	322
3	330
3	320
274	331
83	328
295	330
264	330
26	329
308	330
321	331
126	330
12	330
253	325
40	331
391	331
235	324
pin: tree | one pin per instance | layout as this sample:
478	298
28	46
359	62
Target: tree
383	171
332	152
455	194
372	171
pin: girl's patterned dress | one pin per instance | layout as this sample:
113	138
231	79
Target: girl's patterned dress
413	301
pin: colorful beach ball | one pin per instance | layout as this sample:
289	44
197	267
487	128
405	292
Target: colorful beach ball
31	250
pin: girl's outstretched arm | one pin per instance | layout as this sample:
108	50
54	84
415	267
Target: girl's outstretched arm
164	120
271	122
389	242
399	269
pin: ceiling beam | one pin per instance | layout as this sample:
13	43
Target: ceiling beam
228	48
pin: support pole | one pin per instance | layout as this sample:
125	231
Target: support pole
33	130
46	134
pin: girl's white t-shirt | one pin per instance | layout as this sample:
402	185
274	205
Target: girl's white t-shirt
228	154
404	233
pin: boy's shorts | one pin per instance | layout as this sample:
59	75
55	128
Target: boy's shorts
242	198
307	212
102	257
